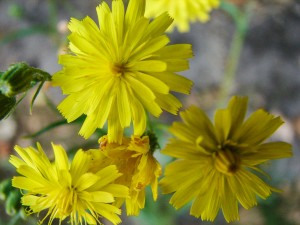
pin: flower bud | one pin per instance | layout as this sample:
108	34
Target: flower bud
20	78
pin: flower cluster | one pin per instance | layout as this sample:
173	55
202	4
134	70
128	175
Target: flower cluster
114	74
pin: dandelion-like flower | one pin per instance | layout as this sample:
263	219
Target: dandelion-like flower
120	69
183	11
67	190
215	163
134	159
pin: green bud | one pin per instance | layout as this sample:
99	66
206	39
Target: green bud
13	202
7	105
5	187
20	78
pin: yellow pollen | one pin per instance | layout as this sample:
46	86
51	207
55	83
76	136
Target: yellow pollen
226	161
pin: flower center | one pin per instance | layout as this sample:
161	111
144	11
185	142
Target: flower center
118	69
227	161
66	201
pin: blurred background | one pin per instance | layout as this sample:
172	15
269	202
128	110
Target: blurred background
247	48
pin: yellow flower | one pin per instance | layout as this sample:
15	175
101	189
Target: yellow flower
134	159
215	163
183	11
120	69
67	190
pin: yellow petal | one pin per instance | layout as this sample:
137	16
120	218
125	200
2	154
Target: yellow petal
102	11
179	149
229	204
148	66
123	105
117	190
138	117
153	83
115	129
238	108
268	151
183	132
97	196
177	51
168	102
159	25
118	16
80	164
61	158
27	184
150	48
109	212
135	10
174	81
259	126
106	175
222	124
85	181
200	126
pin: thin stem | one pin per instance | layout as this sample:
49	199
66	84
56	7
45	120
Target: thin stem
52	4
50	104
241	19
14	219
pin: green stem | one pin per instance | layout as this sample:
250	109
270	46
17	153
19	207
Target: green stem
241	19
50	104
14	219
49	127
52	4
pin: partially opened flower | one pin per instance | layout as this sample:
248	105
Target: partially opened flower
183	11
121	68
217	165
67	190
134	159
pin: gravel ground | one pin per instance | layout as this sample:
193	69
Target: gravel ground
268	72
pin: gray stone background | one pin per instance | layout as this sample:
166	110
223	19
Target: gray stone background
34	31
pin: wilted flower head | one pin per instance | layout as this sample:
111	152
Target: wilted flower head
66	189
121	68
183	11
134	159
216	162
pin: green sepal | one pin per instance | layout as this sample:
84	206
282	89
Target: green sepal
23	213
13	202
153	141
7	105
20	77
5	188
